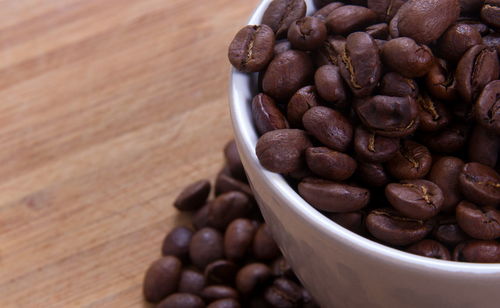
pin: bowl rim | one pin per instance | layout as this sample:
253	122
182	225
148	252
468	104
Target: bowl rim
247	137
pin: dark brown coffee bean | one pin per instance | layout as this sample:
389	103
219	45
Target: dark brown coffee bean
492	40
329	126
444	173
440	81
224	303
433	115
282	46
301	101
477	67
162	278
391	227
449	140
385	9
307	33
221	272
352	221
373	148
200	217
413	161
487	108
424	21
330	84
359	63
283	293
393	84
477	251
287	72
480	184
378	31
176	243
481	27
233	160
430	249
283	150
405	56
264	246
448	232
372	174
216	292
349	18
206	246
388	116
191	281
324	11
329	164
252	48
333	197
251	277
266	115
281	13
490	13
238	238
457	40
193	196
281	268
419	199
225	183
484	147
226	208
479	223
329	52
182	300
470	7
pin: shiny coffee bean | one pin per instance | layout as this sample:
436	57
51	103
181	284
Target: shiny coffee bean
252	48
264	247
307	33
490	12
480	223
430	249
176	243
457	40
303	100
191	281
225	183
325	10
448	232
419	199
221	272
266	115
484	147
226	208
251	277
487	108
444	173
193	196
238	238
162	278
372	174
385	9
440	81
449	140
378	31
329	164
206	246
224	303
233	160
352	221
283	293
349	18
433	114
282	46
373	148
480	184
413	161
477	251
182	300
328	54
330	84
216	292
492	40
394	84
405	56
282	13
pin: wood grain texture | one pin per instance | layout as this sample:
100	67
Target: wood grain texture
108	108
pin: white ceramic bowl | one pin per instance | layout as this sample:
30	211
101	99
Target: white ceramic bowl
339	267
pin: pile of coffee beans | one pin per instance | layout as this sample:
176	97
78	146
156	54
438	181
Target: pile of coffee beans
385	116
227	258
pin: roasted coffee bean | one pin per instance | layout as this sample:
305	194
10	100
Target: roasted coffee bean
282	46
480	223
301	101
430	249
405	56
372	174
221	272
477	251
413	161
324	11
484	147
283	293
373	148
359	63
281	268
182	300
444	173
176	243
281	13
206	246
433	115
264	247
388	116
378	31
470	7
332	196
233	160
330	84
353	221
193	196
225	183
349	18
487	108
482	28
224	303
162	278
329	52
391	227
477	67
329	164
419	199
252	48
448	232
457	40
490	12
200	217
329	126
287	72
385	9
393	84
283	150
480	184
492	40
449	140
251	277
238	238
440	81
191	281
216	292
307	33
227	207
424	21
266	115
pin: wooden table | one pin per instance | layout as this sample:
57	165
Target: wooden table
107	109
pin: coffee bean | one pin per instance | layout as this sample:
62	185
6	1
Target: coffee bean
391	227
480	184
251	277
372	174
373	148
224	303
281	268
332	196
484	147
329	52
393	84
162	278
283	150
481	27
431	249
492	40
282	46
441	82
424	21
266	115
264	247
191	281
490	12
282	13
378	31
330	84
405	56
330	164
234	162
283	293
359	63
200	217
206	246
353	221
413	161
225	183
182	300
238	238
216	292
193	196
487	108
227	207
221	272
479	223
448	232
433	115
307	33
449	140
299	71
176	243
304	99
457	40
252	48
385	9
444	173
324	11
419	199
477	251
349	18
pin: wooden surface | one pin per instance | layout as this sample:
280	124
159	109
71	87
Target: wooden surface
108	108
